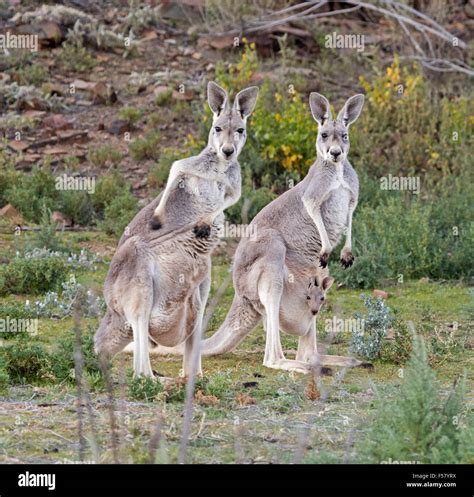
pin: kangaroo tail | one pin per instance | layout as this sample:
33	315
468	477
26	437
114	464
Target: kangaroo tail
239	322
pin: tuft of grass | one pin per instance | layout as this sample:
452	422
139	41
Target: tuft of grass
106	155
146	147
75	58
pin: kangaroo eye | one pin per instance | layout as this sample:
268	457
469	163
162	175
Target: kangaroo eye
344	137
322	298
218	130
324	136
308	298
240	131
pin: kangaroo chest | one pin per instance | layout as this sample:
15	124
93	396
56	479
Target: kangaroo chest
209	194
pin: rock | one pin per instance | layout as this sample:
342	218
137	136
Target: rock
53	89
18	145
380	293
60	218
57	121
103	93
118	127
9	213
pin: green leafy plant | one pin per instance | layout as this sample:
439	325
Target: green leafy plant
367	341
420	423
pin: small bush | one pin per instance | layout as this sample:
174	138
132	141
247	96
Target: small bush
76	58
398	349
26	362
29	193
4	379
163	98
130	114
47	237
108	187
77	206
107	155
146	148
53	305
119	213
367	342
144	389
32	275
158	174
63	364
34	74
420	424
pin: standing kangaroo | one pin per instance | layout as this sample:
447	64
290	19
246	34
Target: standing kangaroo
157	286
294	233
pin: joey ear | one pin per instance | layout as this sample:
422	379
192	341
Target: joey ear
216	97
327	283
320	109
245	101
351	110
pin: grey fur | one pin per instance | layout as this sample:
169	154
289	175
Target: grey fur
294	235
159	278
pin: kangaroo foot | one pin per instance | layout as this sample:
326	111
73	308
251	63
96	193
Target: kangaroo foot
288	365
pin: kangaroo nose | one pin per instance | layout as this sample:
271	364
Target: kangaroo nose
336	153
228	151
314	313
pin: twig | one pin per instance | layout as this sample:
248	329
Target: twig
78	367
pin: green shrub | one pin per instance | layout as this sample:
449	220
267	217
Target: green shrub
420	423
130	114
146	147
30	192
106	155
158	174
398	349
34	74
367	341
108	187
118	213
77	206
63	364
32	275
4	379
164	98
144	388
411	237
26	362
47	237
76	58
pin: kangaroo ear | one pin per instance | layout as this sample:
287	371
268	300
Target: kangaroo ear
245	101
320	109
327	283
351	110
216	97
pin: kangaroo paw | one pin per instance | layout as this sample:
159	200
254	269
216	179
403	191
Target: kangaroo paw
323	259
347	259
202	230
155	223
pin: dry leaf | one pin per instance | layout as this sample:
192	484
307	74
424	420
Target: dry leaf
312	392
245	400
